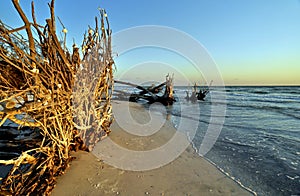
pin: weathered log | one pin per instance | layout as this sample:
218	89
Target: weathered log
135	97
133	85
154	89
198	94
202	94
150	94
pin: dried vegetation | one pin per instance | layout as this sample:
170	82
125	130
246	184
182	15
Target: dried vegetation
63	94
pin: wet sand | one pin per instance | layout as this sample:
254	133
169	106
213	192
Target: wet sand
188	174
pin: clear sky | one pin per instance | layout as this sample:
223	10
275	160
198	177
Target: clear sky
251	41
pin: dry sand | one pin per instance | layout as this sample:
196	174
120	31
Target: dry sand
188	174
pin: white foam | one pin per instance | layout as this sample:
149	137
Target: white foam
294	163
292	178
193	144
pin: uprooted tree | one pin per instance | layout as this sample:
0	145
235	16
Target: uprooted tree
150	94
63	94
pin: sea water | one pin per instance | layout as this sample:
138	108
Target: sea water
259	144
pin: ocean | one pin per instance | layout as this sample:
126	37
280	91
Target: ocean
259	144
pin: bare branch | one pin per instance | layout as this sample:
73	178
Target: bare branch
28	29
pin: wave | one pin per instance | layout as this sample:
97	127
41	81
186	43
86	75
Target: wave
284	110
206	119
260	92
236	143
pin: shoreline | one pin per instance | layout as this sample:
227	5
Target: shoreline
222	170
231	177
188	174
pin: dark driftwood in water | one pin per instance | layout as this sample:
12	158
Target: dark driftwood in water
131	84
192	98
197	95
150	94
168	97
154	89
202	94
135	97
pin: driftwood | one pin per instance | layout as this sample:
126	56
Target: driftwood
154	89
197	94
46	87
150	94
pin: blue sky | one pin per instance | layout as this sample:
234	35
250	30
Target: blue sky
251	42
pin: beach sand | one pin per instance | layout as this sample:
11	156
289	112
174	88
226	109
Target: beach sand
188	174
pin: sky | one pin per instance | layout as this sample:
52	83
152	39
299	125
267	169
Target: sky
249	42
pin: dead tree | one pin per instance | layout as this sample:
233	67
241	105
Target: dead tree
203	92
53	90
198	94
168	97
150	94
